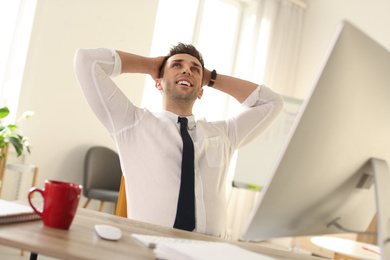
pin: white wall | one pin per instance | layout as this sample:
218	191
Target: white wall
321	20
63	127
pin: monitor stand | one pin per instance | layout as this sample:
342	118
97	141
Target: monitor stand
380	170
377	171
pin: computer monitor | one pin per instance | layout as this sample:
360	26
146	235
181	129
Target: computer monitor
325	171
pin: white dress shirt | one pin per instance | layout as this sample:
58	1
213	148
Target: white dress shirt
150	146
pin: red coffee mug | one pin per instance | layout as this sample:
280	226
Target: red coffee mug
60	201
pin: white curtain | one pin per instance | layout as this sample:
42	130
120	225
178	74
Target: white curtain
278	34
285	23
16	19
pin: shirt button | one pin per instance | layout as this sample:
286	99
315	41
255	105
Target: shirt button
197	197
201	224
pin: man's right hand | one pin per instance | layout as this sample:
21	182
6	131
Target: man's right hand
157	62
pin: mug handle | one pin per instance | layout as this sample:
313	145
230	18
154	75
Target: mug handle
32	190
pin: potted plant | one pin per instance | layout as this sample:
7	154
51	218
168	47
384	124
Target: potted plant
8	134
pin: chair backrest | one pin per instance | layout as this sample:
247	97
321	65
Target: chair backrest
102	170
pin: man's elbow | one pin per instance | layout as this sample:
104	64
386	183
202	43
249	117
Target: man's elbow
81	56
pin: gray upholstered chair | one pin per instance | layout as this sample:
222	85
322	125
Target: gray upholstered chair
102	175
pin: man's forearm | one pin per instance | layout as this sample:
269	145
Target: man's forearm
237	88
132	63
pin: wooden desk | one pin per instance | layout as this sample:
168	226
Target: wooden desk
81	242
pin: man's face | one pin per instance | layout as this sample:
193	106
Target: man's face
182	78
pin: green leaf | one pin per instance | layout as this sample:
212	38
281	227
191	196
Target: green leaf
17	143
28	114
4	111
12	127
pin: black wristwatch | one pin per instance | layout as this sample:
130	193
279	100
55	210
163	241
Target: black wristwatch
212	78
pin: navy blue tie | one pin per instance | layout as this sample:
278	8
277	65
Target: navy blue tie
185	214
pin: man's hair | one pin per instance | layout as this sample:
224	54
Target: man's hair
181	48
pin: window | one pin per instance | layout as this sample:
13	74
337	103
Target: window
222	30
15	28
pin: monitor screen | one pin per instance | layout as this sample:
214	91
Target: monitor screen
324	170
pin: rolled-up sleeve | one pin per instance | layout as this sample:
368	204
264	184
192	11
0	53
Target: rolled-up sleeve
261	108
94	69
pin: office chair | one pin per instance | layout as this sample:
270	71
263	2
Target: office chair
102	175
121	205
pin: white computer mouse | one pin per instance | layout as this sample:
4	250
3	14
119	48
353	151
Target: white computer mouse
108	232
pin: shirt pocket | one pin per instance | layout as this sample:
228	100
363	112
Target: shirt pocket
215	152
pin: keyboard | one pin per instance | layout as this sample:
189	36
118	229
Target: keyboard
180	248
151	241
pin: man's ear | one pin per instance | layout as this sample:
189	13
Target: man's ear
158	84
200	94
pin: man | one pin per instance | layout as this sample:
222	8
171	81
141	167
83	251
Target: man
150	145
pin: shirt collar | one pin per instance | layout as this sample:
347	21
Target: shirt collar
174	117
